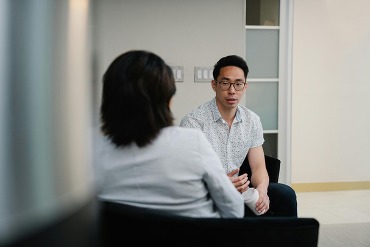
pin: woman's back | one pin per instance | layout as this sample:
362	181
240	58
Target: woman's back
178	173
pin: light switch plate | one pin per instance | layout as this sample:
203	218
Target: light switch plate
203	74
178	73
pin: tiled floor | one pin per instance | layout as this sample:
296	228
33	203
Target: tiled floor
336	207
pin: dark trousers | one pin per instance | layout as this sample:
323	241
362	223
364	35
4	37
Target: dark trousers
283	202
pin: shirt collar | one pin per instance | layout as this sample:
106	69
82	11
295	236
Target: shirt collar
217	115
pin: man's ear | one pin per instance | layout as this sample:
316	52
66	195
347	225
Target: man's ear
213	82
246	86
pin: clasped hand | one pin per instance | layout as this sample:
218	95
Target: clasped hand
240	182
263	203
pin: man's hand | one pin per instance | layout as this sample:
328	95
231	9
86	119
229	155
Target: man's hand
241	182
263	203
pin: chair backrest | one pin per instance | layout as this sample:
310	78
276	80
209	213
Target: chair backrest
121	223
272	166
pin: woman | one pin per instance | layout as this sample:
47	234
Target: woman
144	160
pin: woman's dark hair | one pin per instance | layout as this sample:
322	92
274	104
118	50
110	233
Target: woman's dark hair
137	89
231	60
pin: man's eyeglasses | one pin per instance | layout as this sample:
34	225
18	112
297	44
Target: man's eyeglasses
225	85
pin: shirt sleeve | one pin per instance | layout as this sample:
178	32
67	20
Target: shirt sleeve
227	199
257	132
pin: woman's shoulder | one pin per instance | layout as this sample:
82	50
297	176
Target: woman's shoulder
188	140
183	131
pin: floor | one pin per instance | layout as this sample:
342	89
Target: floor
336	207
344	216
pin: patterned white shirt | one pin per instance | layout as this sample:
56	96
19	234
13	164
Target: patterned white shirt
232	145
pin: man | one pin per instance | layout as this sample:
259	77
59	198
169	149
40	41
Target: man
235	133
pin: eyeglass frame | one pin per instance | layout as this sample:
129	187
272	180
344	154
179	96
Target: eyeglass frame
227	81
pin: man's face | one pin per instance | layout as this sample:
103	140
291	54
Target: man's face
228	97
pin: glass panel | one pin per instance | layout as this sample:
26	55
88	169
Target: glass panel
270	145
262	98
262	53
262	12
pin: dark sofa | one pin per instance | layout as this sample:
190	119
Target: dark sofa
106	224
122	224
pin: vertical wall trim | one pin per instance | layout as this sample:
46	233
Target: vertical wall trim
285	89
4	145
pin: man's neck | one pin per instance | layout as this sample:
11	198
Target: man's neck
227	114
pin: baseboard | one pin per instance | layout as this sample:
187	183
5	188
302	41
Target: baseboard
331	186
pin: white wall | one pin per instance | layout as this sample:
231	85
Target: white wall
184	33
331	91
330	78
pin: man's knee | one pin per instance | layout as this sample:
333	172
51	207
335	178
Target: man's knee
283	199
288	192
